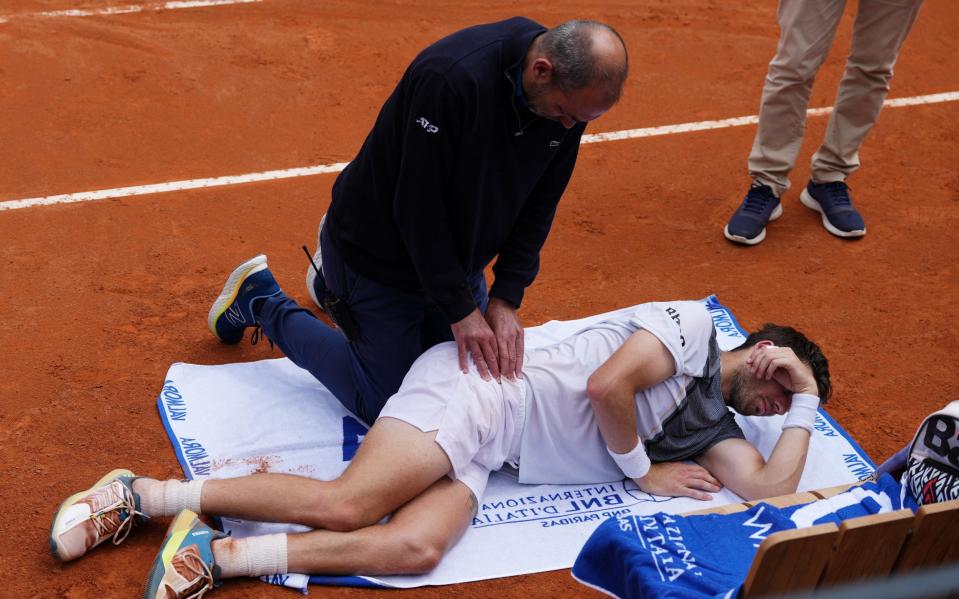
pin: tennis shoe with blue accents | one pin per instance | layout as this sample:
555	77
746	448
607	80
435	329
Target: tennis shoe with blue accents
832	200
232	312
106	511
748	223
184	568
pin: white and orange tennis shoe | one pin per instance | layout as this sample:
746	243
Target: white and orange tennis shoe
107	510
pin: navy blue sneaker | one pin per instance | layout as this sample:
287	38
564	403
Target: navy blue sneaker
232	312
832	200
748	223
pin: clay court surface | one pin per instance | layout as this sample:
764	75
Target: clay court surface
98	298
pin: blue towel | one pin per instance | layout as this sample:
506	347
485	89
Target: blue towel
667	556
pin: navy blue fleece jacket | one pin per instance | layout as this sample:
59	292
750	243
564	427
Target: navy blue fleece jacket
454	174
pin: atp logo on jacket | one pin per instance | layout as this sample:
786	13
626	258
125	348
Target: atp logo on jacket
430	128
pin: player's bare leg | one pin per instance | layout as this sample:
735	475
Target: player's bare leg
395	462
194	558
413	541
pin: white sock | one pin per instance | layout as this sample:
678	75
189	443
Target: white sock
168	497
251	556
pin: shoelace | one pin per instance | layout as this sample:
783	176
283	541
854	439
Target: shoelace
198	567
756	200
258	334
104	519
838	194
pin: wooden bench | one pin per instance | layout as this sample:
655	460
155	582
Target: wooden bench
860	548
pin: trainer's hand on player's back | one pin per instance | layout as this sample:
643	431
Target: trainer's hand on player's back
475	338
503	319
679	479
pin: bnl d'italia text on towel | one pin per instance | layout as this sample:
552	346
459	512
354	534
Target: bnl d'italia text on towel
271	416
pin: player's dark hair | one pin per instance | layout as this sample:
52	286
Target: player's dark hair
569	48
807	351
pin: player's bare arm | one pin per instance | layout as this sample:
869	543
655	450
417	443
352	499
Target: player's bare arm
736	462
739	466
643	361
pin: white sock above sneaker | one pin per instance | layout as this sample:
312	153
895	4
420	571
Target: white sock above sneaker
168	497
251	556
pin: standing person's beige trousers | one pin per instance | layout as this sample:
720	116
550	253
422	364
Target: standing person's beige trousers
808	28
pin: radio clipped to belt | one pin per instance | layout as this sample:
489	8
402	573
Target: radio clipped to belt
341	314
337	308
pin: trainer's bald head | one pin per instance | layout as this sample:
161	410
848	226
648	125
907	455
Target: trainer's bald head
586	53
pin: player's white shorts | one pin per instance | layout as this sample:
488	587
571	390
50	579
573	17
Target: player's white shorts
479	423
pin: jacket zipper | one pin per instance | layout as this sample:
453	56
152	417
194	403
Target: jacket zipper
512	103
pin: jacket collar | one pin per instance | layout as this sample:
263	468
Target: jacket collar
515	48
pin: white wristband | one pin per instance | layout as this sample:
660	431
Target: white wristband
635	463
802	412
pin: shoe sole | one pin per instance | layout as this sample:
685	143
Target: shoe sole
810	202
232	288
310	272
69	501
776	213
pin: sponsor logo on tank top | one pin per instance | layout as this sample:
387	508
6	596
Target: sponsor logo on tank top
674	314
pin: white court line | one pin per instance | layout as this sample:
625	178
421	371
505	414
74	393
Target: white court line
138	190
305	171
750	120
121	10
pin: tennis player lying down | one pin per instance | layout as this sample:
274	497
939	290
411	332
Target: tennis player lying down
631	396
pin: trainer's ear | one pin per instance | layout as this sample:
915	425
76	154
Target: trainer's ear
542	70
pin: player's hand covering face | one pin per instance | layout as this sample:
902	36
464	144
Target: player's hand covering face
764	386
